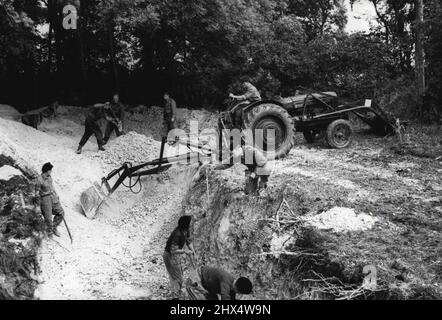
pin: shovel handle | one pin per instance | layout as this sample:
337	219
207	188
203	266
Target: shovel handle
67	228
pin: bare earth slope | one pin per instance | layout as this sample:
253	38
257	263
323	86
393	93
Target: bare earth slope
110	254
391	215
327	215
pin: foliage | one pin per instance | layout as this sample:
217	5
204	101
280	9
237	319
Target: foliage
201	50
434	49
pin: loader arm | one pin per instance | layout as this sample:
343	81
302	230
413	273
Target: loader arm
160	165
92	198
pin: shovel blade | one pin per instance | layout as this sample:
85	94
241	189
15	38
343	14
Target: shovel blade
91	200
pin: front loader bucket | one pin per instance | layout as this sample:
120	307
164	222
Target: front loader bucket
91	200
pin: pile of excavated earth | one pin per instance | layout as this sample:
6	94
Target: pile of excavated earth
118	254
327	216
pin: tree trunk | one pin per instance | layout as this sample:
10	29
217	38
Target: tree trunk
420	58
58	34
50	37
83	97
113	60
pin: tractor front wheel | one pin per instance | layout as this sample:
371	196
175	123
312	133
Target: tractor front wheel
339	134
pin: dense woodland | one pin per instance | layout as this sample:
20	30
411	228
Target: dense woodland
199	50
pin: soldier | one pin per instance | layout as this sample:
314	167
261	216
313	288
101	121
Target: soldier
175	248
257	173
50	111
251	95
91	126
32	119
115	117
217	281
48	200
170	112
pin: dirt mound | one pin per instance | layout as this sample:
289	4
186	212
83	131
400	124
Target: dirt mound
340	220
134	148
61	126
205	119
8	172
91	267
149	121
9	113
143	120
9	149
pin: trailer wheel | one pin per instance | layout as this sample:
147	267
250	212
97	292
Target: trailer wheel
339	134
269	116
313	135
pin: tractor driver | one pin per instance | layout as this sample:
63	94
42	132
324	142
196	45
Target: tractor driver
251	95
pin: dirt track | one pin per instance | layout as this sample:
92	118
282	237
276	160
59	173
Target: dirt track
118	255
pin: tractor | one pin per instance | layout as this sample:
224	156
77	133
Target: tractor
315	114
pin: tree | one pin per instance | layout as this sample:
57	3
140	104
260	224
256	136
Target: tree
319	16
18	59
434	57
420	60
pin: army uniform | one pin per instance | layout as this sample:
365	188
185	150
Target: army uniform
170	114
116	110
257	173
217	281
92	127
250	96
49	203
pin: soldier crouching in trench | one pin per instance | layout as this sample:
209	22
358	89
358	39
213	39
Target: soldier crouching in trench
219	282
35	118
48	200
257	173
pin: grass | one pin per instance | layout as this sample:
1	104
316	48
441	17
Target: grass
420	141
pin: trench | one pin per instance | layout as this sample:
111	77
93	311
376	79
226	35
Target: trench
118	254
238	233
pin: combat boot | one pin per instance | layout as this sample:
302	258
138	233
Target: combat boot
100	148
79	150
49	232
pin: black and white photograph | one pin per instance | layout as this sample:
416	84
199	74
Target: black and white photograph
181	152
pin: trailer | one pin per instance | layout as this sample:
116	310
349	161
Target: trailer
327	118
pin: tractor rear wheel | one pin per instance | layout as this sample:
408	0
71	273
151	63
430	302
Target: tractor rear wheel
339	134
268	116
